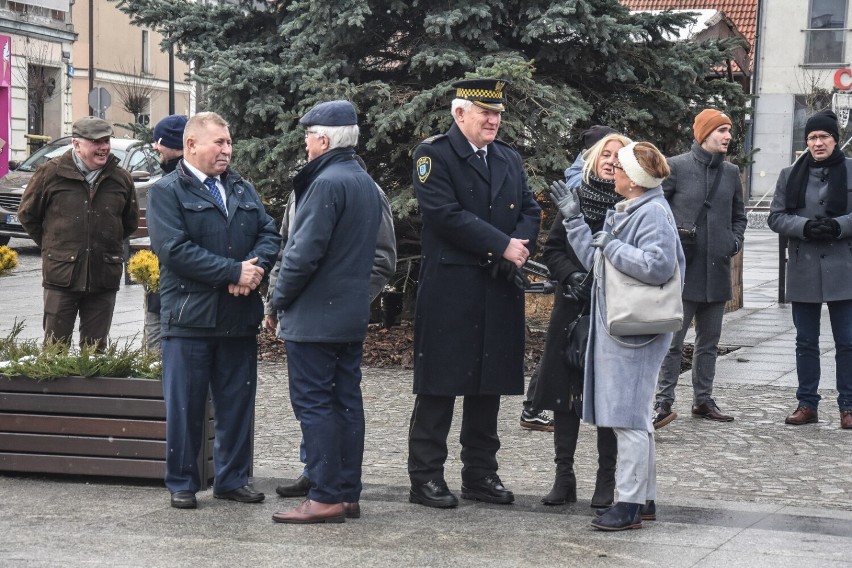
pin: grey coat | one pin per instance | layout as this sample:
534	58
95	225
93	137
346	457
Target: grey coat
620	381
720	236
817	271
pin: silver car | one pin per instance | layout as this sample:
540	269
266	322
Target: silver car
139	159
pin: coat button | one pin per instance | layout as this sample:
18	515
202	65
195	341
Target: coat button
512	206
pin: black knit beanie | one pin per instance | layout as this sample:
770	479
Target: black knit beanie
824	120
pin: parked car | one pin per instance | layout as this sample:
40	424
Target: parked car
141	160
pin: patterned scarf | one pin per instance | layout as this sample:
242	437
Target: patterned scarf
596	197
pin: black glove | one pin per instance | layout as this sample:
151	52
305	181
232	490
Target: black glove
832	226
817	230
506	270
578	286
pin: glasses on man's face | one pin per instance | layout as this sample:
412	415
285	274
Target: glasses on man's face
818	137
314	132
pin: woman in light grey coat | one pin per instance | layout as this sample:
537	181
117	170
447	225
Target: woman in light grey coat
812	208
639	239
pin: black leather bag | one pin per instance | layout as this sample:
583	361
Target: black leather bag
688	241
578	338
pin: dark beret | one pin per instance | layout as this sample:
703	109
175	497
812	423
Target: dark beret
595	134
331	113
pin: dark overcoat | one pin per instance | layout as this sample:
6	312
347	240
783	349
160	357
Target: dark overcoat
469	327
559	387
720	236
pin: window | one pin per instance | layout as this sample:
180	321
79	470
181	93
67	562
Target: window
826	39
146	60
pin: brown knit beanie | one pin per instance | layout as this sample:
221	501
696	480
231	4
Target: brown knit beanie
707	121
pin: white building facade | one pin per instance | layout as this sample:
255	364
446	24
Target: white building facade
803	56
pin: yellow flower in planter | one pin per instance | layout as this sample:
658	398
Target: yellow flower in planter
144	267
8	259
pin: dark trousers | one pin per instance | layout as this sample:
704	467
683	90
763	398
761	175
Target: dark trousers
325	390
430	426
60	312
226	368
806	317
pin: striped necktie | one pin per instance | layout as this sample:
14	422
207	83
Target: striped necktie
214	191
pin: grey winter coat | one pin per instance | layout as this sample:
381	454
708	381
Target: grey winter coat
620	381
817	271
720	236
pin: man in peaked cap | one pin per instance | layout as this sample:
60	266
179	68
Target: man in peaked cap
480	222
79	207
322	295
705	193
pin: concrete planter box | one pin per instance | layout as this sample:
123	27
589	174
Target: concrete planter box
113	427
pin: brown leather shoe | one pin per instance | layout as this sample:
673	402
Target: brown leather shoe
710	411
846	419
353	510
312	512
802	415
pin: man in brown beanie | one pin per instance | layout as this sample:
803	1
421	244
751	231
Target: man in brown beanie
706	196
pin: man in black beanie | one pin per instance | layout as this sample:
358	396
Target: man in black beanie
168	140
811	207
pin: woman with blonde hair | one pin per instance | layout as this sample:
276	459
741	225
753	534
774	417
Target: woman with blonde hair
639	238
559	387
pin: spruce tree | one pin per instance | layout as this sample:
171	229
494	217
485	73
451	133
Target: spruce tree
571	63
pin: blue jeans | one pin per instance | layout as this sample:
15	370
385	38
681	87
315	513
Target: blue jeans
806	317
325	390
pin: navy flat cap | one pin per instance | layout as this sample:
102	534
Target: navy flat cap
331	113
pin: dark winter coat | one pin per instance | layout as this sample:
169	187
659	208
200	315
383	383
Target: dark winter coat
558	387
80	230
817	271
469	327
201	252
322	292
720	236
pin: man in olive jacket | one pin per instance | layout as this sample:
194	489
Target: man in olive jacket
79	207
718	236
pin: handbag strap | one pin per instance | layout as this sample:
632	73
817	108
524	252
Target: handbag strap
706	205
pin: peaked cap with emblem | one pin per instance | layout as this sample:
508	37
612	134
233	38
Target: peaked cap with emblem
484	93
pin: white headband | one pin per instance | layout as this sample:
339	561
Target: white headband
634	170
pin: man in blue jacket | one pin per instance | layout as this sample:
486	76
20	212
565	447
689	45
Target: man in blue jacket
322	295
215	244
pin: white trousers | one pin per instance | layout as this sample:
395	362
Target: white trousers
636	472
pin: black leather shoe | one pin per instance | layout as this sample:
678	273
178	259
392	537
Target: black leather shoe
433	493
298	488
244	494
184	500
489	489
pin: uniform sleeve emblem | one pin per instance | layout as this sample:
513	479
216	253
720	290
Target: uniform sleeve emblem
424	168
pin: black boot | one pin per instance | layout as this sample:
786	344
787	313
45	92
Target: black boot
566	429
604	495
620	517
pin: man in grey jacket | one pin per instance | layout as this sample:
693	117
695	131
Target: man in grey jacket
706	196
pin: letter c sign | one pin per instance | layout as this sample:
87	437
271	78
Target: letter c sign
843	79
